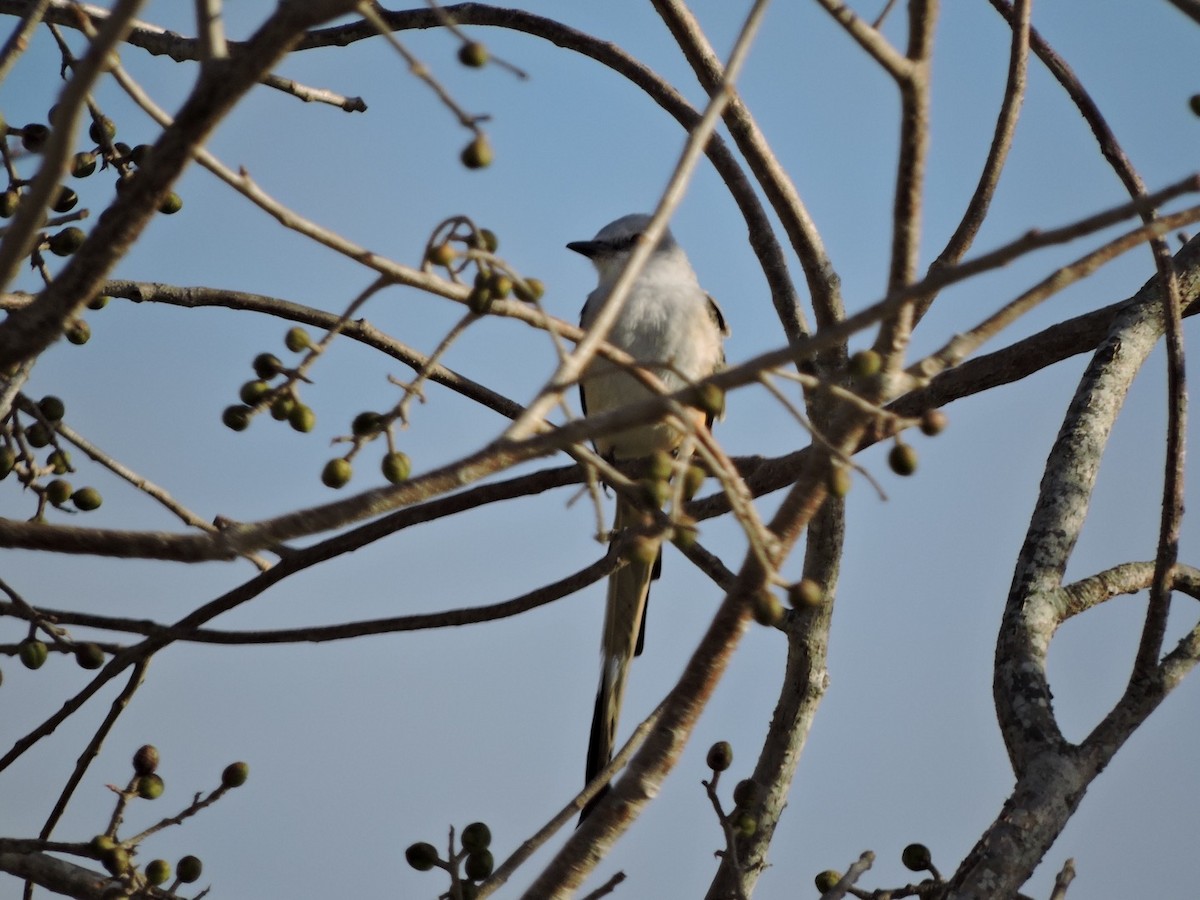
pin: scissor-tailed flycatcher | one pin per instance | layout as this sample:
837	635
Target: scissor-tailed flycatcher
670	325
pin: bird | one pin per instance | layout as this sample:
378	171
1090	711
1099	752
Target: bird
672	327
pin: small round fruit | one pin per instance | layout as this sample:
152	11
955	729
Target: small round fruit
396	467
282	406
236	417
366	423
34	137
145	761
83	164
267	365
479	864
89	656
479	301
838	481
67	241
8	461
693	480
171	204
33	653
473	54
98	302
139	154
916	858
60	462
903	459
442	254
654	492
478	153
8	203
487	240
38	435
336	473
529	289
78	332
501	285
188	869
101	129
101	843
157	871
253	391
720	756
1194	103
768	611
150	787
52	408
302	418
642	550
476	836
116	860
59	491
297	339
235	775
65	200
865	363
87	499
685	532
748	793
933	422
826	881
806	593
422	856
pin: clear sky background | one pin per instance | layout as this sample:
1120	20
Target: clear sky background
359	748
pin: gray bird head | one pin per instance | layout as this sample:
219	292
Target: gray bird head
613	243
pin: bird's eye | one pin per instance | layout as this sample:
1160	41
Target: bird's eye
627	243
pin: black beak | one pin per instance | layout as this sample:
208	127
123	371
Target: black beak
586	248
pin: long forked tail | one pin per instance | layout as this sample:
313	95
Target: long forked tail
624	624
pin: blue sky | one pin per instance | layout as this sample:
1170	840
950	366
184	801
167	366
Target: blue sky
359	748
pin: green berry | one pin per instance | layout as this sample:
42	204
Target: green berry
171	204
421	856
87	499
478	153
101	843
768	611
720	756
89	656
297	339
933	422
486	240
479	301
442	255
838	480
83	164
267	365
693	480
78	331
826	881
65	200
744	823
98	302
685	533
67	241
662	466
336	473
157	871
236	417
116	860
366	423
146	759
52	408
476	836
188	869
654	492
865	363
282	406
235	775
59	491
916	858
903	459
150	787
38	435
8	203
139	154
479	864
253	391
396	467
302	418
101	129
748	793
8	461
529	289
34	137
806	593
473	54
500	285
33	653
60	462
